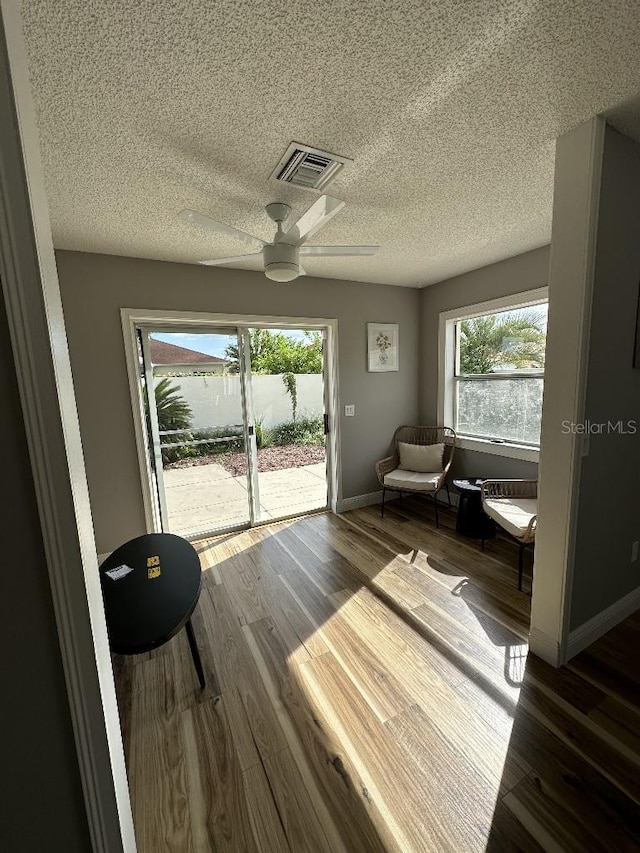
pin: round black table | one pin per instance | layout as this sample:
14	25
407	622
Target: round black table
472	520
147	606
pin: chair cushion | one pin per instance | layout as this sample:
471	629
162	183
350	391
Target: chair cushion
415	481
514	514
424	458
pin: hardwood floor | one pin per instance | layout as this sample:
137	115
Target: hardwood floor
368	689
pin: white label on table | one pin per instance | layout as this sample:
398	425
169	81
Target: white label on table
119	572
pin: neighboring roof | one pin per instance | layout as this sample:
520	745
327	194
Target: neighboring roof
164	353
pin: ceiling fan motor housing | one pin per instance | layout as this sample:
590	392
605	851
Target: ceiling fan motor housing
279	211
281	261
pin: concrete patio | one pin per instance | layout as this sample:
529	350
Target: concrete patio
207	497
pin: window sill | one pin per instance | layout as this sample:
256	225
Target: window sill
511	451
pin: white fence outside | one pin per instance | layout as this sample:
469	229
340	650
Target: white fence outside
216	400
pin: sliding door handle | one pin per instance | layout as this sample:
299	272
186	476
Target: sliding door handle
326	424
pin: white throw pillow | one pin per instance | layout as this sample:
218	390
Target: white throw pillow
424	458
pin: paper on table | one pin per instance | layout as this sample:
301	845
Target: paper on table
119	572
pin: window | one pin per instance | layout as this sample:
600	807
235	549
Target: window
492	371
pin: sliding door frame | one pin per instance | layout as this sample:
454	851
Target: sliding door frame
175	321
249	419
155	451
154	445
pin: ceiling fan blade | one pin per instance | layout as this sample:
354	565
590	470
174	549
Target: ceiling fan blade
217	261
195	218
337	251
320	212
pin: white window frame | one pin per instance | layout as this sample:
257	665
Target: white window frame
447	354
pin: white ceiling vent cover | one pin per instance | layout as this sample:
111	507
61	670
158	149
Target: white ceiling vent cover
309	168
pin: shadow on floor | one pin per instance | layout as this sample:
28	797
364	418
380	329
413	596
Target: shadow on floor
273	678
368	690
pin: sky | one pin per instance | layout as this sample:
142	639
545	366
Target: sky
211	344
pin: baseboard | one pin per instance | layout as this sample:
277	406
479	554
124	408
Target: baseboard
358	501
544	647
597	626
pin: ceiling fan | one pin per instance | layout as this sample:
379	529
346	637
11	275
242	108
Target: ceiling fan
282	256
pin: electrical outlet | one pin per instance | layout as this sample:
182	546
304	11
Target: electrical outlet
634	551
349	410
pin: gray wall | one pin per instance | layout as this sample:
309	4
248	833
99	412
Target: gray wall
609	506
42	803
517	274
95	287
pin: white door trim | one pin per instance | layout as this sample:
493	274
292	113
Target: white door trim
160	318
131	318
38	339
151	501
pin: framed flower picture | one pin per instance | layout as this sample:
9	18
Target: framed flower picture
382	347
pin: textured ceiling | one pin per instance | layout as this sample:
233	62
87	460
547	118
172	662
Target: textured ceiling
449	109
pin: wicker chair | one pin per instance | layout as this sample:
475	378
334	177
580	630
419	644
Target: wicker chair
513	504
391	476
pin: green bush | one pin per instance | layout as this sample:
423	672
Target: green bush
264	437
174	413
173	410
302	431
215	448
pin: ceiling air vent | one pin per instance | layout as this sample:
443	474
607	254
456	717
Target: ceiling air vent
308	168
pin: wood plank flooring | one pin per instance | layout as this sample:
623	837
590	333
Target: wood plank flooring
369	689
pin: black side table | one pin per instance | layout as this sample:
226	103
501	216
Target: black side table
147	606
472	520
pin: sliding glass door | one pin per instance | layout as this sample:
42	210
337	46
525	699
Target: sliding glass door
287	378
236	424
198	434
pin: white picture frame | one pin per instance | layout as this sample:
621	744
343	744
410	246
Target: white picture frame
383	347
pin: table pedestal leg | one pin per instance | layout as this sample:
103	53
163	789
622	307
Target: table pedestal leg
195	654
